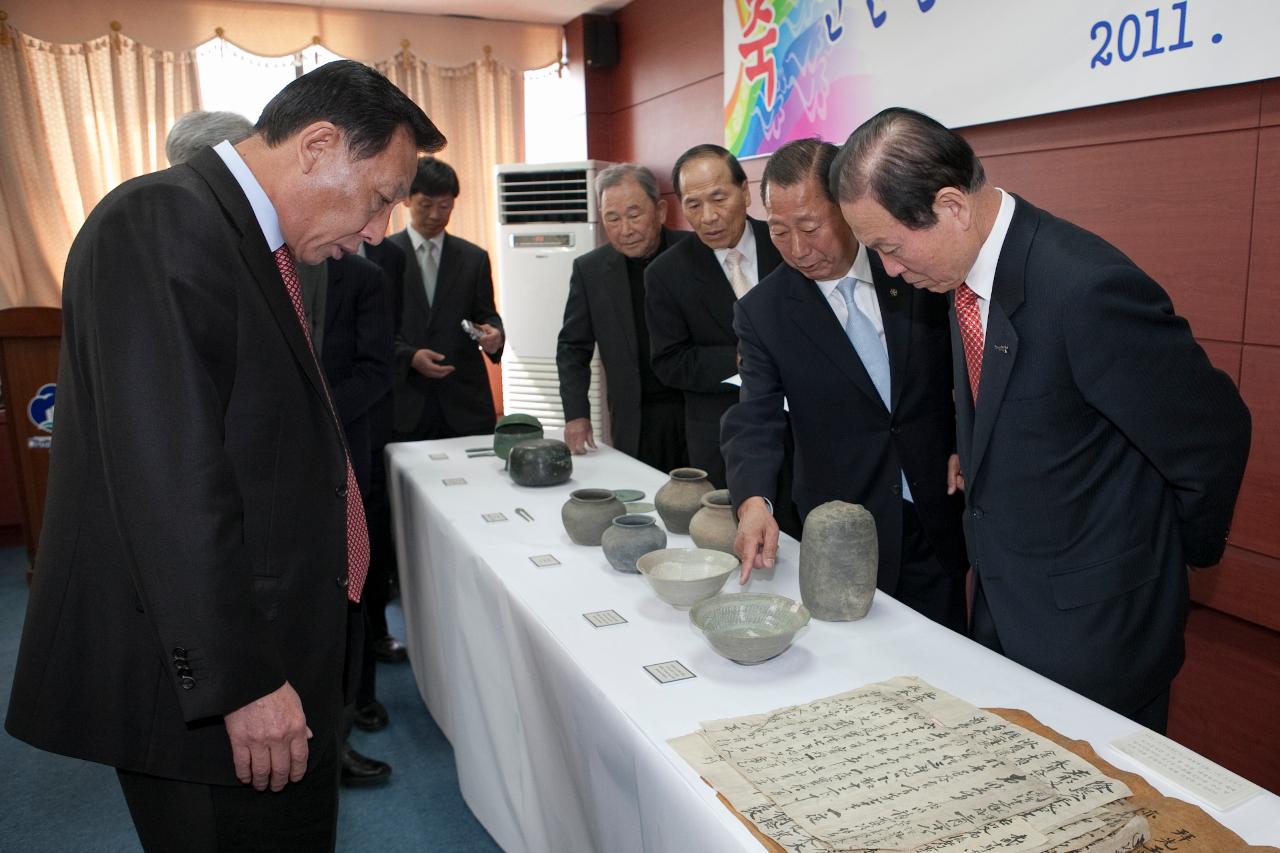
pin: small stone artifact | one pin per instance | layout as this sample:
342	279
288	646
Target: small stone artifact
512	429
588	513
838	560
540	462
714	525
629	538
681	497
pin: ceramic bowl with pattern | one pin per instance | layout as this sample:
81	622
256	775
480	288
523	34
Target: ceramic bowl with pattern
749	627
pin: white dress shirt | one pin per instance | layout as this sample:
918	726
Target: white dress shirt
747	246
981	278
263	209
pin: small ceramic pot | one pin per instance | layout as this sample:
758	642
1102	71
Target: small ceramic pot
540	462
681	497
714	525
839	557
629	538
588	513
512	429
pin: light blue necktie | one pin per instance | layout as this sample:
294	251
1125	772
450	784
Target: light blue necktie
866	342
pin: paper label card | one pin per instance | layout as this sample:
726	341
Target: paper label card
493	516
604	618
454	481
669	671
1216	785
543	560
438	456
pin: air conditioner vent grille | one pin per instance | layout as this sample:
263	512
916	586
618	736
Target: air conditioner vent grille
550	196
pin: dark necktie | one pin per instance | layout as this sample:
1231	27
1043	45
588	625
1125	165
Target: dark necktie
357	528
969	318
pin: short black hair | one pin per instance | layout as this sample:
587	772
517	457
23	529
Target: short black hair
797	162
434	177
360	102
901	158
708	150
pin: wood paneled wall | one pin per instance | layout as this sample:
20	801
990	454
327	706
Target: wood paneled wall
1188	185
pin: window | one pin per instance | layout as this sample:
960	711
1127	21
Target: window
235	80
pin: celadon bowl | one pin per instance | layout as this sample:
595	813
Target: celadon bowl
749	627
684	576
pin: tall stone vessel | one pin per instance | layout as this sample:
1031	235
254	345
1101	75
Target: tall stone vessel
838	560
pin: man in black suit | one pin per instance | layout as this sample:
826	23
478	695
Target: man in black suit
204	539
692	289
440	385
1102	453
869	394
606	308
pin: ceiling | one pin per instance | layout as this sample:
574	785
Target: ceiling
530	11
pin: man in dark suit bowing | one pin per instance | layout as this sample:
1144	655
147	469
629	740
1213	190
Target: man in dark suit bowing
204	540
1102	453
441	387
692	289
606	308
863	362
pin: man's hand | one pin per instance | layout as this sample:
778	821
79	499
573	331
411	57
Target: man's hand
757	542
427	362
577	434
490	339
269	740
955	479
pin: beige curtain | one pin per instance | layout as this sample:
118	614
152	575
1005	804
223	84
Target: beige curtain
77	120
480	109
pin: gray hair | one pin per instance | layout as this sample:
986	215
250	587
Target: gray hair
619	172
199	129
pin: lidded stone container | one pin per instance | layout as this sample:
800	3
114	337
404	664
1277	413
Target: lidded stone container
839	557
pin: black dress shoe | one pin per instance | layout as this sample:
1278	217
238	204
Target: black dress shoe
371	717
390	650
359	771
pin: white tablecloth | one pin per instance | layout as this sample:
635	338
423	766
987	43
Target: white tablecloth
560	734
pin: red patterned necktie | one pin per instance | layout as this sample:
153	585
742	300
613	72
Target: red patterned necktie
357	529
969	318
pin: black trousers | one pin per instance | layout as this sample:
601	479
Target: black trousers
662	437
382	568
924	584
170	815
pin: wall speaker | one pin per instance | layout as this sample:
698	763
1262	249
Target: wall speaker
599	41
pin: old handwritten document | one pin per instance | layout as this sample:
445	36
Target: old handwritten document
901	765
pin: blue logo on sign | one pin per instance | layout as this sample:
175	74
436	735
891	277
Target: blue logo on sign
40	409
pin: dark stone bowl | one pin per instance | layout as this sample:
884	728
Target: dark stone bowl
540	462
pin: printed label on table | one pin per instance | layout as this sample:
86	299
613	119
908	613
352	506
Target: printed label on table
454	481
40	442
438	456
669	671
543	560
493	516
604	618
1216	785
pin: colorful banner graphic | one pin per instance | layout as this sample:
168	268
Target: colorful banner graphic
797	68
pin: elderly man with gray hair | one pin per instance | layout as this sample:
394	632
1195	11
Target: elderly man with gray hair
204	129
606	308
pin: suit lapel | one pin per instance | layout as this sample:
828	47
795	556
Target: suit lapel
413	274
897	302
818	322
615	282
713	289
767	255
335	294
260	261
1000	347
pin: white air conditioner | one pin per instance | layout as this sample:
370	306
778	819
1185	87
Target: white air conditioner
546	217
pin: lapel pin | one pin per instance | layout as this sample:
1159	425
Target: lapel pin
1003	349
893	291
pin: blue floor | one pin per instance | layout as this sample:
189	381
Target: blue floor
52	804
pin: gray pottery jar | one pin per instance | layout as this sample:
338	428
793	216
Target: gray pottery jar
714	525
588	513
540	462
681	497
838	560
629	538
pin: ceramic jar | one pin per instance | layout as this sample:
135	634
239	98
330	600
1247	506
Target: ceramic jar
714	525
588	513
629	538
540	462
838	561
681	497
512	429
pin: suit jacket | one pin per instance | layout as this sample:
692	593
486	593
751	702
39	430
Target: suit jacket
1104	454
357	349
390	258
689	308
599	312
194	549
848	445
464	291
